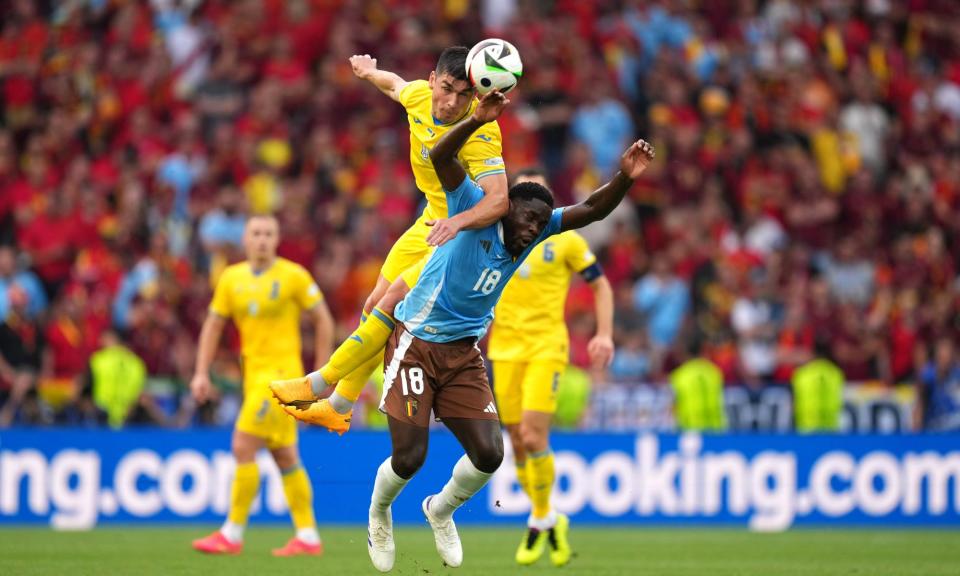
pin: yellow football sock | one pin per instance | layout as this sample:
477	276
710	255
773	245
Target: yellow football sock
353	383
296	486
246	483
368	339
540	474
522	477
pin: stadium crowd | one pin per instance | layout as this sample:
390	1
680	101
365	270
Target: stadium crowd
805	196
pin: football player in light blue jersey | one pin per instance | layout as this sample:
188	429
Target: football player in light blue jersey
461	282
443	307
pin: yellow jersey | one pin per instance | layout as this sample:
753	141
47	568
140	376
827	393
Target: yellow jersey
529	319
266	308
481	156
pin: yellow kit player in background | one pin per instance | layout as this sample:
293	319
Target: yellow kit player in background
529	349
264	296
433	106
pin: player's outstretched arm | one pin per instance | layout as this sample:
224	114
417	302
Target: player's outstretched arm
602	202
365	67
209	339
444	153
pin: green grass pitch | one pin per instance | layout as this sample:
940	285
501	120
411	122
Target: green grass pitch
489	551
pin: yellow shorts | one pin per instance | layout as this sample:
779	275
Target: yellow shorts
261	414
522	386
409	249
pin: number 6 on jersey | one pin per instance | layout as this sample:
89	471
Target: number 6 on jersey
416	381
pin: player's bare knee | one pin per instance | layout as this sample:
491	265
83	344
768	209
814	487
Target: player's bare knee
393	296
244	448
406	462
243	453
369	303
516	439
286	458
376	295
533	439
487	456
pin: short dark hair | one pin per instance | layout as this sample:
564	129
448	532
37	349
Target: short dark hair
453	61
531	191
530	172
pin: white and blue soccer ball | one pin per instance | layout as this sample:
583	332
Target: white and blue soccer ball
494	64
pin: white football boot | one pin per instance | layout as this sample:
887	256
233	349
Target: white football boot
380	540
445	535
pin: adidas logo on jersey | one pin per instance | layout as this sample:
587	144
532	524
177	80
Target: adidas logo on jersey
486	245
490	409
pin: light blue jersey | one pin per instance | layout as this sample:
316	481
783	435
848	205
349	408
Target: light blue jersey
462	282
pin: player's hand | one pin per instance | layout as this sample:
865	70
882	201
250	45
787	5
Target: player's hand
600	350
444	230
363	65
490	107
200	387
636	159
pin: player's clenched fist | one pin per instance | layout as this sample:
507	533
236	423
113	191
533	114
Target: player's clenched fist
636	159
363	65
200	387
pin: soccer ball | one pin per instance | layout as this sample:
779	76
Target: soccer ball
494	64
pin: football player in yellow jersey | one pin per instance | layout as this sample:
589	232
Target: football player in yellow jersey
264	296
433	106
529	349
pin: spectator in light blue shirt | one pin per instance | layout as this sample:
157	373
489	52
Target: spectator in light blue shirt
222	228
135	281
664	299
25	279
604	124
632	361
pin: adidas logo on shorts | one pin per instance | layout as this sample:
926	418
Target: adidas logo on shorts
490	409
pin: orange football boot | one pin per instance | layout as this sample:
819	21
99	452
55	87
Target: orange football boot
293	392
321	413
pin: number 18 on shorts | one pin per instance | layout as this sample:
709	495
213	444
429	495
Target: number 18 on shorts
448	378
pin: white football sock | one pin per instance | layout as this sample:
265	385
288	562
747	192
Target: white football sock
466	481
232	532
545	523
309	535
386	487
317	383
340	404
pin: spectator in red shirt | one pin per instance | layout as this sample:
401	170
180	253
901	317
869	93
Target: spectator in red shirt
71	335
50	241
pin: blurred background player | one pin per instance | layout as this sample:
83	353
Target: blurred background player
433	106
264	296
530	348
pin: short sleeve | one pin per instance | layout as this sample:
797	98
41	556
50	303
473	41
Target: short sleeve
220	305
553	226
482	155
578	255
463	197
413	93
308	293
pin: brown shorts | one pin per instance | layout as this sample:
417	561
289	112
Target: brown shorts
449	378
